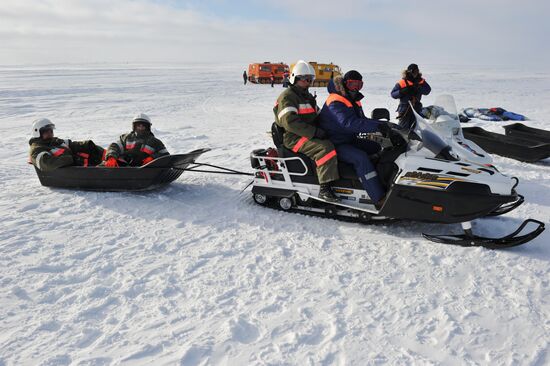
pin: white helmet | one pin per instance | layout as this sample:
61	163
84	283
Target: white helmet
40	124
141	118
301	68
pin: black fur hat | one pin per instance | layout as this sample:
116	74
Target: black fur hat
352	75
412	68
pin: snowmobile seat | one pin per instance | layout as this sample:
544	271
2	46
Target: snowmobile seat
380	114
345	170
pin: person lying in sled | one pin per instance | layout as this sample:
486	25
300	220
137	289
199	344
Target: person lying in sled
342	117
136	148
48	152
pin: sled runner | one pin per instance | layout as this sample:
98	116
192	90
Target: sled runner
512	145
157	173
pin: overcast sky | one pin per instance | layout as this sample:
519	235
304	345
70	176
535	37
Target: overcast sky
477	32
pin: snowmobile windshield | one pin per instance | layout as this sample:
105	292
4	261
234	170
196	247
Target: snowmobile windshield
443	116
429	137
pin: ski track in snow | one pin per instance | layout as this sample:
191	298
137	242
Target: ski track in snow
197	274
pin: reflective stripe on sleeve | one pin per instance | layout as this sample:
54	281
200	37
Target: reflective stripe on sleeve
299	144
147	149
371	175
286	110
306	109
39	159
56	151
326	158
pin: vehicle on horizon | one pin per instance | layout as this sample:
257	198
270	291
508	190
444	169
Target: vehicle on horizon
260	73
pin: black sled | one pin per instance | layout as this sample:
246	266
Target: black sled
513	145
529	133
155	174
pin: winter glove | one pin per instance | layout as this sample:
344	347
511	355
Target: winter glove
406	91
320	134
397	139
385	129
147	160
111	163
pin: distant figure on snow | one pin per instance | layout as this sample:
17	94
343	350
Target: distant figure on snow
136	148
286	82
272	78
410	88
245	77
48	152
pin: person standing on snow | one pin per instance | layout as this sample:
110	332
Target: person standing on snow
286	82
48	152
296	111
410	88
136	148
245	77
272	78
342	117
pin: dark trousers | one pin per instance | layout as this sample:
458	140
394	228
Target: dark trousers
357	154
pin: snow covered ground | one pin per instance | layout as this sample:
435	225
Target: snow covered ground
197	274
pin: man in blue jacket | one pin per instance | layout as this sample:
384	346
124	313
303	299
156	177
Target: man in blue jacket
342	118
410	88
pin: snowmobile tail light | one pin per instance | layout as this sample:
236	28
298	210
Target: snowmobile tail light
437	208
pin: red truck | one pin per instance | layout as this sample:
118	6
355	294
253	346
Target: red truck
260	73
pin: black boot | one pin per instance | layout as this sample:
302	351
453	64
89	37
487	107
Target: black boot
326	193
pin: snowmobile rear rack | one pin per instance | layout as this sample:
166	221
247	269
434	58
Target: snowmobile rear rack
468	239
519	148
157	173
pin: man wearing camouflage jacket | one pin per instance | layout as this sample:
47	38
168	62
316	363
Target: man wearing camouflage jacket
296	111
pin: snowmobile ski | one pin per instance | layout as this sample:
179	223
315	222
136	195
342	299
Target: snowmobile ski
468	239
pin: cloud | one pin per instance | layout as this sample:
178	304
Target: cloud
349	31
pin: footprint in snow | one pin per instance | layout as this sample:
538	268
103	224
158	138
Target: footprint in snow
195	356
243	331
59	360
99	361
51	326
21	293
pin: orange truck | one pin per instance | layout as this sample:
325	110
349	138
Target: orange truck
260	73
323	72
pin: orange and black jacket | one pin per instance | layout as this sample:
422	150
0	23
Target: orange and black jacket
415	89
343	118
48	155
132	148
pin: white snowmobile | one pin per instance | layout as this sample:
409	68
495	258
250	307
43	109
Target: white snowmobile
425	181
442	116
